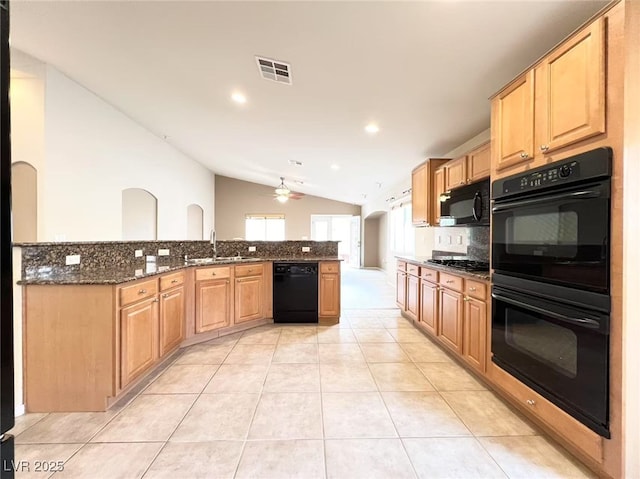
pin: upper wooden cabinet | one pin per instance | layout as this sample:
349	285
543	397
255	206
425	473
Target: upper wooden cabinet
571	84
456	172
423	207
560	102
512	122
479	163
439	187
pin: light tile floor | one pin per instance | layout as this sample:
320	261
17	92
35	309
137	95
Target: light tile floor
369	398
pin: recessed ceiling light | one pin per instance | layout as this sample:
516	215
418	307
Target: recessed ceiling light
372	128
335	167
298	182
239	98
295	163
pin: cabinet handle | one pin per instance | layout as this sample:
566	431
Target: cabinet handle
524	155
466	298
142	291
174	281
155	300
531	402
468	180
449	281
213	273
544	148
472	289
165	295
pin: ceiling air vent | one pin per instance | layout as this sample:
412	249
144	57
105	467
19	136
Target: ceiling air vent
274	70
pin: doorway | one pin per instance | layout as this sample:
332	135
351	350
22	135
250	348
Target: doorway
342	228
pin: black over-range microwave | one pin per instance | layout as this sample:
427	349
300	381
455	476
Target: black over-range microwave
467	205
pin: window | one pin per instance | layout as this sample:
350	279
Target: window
401	233
264	228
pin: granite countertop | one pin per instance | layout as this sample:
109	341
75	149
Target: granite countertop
423	261
122	274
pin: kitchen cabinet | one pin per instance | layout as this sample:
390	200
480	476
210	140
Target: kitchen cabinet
249	293
214	300
571	91
429	306
450	319
413	291
474	336
172	320
560	102
401	286
424	208
479	163
138	339
329	290
456	173
440	186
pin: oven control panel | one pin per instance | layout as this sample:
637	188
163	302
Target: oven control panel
542	178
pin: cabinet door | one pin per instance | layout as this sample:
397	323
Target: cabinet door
171	319
440	187
512	123
450	327
419	180
479	163
401	290
329	295
456	173
138	340
213	304
249	304
429	306
571	85
413	295
474	341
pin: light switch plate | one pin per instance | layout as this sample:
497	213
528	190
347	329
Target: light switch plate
449	239
252	249
72	259
306	249
163	252
138	253
459	239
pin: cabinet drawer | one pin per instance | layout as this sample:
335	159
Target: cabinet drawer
413	269
402	265
171	280
213	273
138	291
476	289
249	270
332	267
429	275
451	282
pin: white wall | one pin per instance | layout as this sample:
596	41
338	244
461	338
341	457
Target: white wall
93	152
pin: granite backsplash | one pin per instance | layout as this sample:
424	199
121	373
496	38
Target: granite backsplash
114	254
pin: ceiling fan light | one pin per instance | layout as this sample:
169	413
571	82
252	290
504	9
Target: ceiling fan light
282	191
282	198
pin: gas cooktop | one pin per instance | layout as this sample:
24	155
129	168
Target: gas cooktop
463	264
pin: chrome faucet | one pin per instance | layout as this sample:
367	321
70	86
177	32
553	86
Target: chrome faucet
212	240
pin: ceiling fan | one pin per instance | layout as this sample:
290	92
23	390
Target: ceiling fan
282	193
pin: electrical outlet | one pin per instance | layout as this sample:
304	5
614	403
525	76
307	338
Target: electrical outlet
252	249
138	253
72	259
138	272
449	239
459	239
306	249
163	252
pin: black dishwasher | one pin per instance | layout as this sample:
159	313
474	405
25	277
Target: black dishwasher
295	292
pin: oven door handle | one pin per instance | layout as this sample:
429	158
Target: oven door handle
579	195
585	322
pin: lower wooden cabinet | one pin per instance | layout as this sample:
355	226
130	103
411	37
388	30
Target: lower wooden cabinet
138	339
172	324
413	295
249	299
429	306
401	290
213	304
474	339
329	295
450	319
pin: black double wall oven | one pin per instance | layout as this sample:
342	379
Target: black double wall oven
551	303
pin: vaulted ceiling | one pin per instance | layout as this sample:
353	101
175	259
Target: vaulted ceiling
421	71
